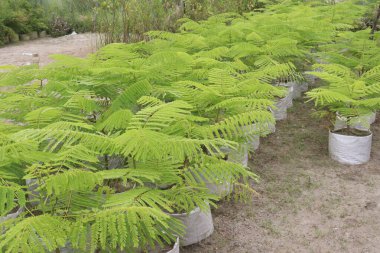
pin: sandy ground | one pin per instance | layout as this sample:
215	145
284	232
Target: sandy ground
76	45
306	202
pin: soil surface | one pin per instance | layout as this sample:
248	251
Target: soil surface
76	45
307	202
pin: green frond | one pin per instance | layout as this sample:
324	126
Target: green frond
243	103
220	78
187	198
255	38
23	236
322	97
283	71
158	117
82	101
331	78
71	180
140	197
256	89
215	170
11	196
370	103
373	89
16	150
335	69
372	75
125	228
149	101
217	53
19	76
231	127
144	144
68	133
119	120
129	97
43	116
244	49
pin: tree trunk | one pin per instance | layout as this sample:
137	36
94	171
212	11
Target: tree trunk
374	26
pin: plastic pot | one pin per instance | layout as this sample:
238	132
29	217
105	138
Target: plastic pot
239	155
158	249
42	34
220	188
254	142
280	112
198	226
304	86
11	215
33	35
310	78
175	248
299	88
33	193
252	136
24	37
349	149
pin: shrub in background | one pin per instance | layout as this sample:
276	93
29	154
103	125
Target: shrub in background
59	27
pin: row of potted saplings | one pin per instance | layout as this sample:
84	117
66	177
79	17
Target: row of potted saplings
25	37
345	148
199	224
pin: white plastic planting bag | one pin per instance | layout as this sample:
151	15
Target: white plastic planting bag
280	112
239	155
175	247
298	88
11	215
304	86
254	142
217	186
33	192
310	78
362	122
198	226
351	150
221	188
297	92
252	135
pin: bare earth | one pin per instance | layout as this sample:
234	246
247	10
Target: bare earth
76	45
306	201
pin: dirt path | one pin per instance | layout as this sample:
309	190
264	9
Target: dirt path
76	45
307	202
